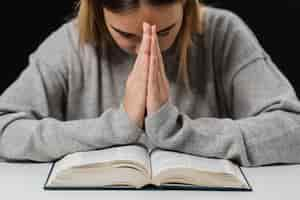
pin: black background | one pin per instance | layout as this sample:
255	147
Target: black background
25	24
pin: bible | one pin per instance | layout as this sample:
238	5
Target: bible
136	167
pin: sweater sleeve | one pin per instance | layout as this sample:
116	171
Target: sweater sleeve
264	126
32	123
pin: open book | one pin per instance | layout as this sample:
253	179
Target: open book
134	167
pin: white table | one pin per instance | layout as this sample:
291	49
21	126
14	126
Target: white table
26	180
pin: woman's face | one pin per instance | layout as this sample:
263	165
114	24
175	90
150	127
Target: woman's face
126	28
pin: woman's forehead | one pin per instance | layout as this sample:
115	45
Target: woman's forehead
132	21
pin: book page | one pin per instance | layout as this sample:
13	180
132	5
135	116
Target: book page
134	153
162	160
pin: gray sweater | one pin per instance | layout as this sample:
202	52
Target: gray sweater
69	99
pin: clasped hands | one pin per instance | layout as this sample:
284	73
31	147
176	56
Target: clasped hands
147	86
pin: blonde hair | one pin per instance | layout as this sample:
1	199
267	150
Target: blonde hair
92	29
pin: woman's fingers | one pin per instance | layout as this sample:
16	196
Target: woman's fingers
157	87
146	41
143	58
152	66
160	61
160	68
158	72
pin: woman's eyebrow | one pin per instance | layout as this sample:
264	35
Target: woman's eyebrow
126	33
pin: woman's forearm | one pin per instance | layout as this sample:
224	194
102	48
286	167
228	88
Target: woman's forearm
272	137
25	138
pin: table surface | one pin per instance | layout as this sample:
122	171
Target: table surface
268	182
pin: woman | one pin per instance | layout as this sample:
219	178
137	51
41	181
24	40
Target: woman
173	74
